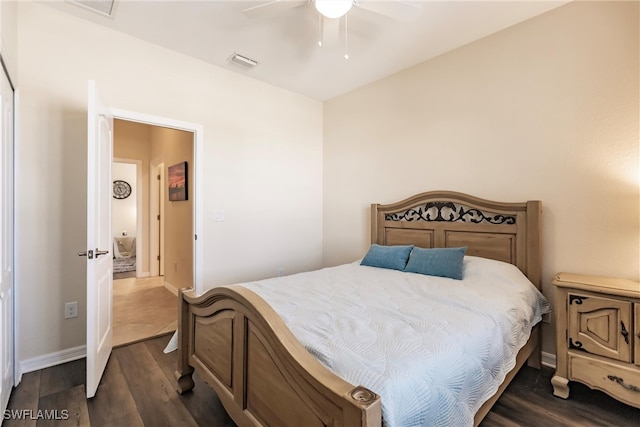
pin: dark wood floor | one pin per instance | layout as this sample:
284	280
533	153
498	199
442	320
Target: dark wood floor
137	390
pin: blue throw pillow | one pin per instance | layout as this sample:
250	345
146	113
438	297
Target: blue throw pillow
443	262
393	257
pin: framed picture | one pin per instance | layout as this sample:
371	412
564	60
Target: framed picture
178	188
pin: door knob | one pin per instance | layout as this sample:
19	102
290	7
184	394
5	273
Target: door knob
99	252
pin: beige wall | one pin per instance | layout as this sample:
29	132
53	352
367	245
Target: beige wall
261	164
175	146
546	110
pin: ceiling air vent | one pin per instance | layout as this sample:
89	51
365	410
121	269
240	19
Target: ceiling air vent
103	7
242	61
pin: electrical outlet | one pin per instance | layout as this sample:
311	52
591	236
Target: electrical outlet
71	310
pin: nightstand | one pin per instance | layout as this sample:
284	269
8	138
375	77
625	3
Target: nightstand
598	335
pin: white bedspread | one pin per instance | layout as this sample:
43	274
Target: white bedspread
435	349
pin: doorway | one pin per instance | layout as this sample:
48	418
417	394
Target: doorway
100	132
195	184
145	300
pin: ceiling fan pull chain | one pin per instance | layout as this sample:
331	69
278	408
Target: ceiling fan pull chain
346	52
320	30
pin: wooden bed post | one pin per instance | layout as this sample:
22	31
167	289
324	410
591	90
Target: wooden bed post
374	223
534	228
184	371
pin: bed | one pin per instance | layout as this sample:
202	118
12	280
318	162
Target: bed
265	375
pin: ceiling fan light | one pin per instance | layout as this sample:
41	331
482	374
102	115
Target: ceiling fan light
333	8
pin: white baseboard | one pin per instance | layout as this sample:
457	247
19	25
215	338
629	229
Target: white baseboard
52	359
171	288
548	360
143	274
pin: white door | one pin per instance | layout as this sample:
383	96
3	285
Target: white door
99	238
6	241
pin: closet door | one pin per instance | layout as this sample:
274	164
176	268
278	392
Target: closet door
6	240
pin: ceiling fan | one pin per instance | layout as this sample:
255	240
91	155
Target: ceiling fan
331	11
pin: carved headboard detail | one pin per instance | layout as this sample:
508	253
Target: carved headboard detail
507	232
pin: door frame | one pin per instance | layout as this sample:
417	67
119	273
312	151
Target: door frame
17	369
198	202
156	234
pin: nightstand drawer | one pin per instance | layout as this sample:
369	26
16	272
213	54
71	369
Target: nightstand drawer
621	382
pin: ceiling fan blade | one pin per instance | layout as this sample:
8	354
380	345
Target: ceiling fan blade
272	8
329	31
396	9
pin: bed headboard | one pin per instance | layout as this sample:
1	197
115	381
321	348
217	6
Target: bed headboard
507	232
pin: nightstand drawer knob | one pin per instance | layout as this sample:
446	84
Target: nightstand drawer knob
621	382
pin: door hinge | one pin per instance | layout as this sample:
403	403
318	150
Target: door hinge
158	257
158	177
158	217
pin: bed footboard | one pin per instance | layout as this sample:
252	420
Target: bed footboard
261	373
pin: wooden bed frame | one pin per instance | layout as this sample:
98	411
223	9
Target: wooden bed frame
264	376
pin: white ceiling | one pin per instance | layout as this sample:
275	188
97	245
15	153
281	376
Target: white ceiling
285	45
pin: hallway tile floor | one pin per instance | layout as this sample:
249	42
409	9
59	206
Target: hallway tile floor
142	308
